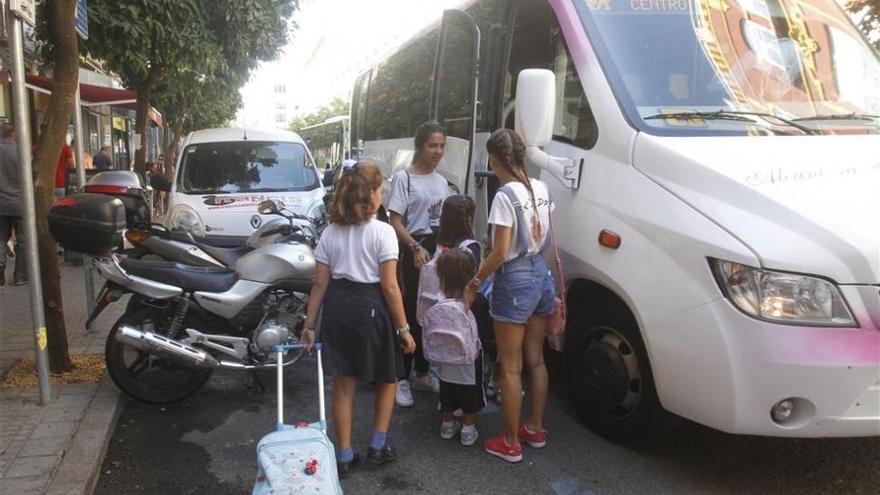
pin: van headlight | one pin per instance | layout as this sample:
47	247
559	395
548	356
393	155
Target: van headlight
186	219
782	297
317	210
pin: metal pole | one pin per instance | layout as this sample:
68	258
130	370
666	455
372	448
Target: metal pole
23	140
81	181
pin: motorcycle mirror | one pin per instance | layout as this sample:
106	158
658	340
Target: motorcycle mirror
270	207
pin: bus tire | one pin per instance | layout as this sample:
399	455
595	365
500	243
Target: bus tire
609	375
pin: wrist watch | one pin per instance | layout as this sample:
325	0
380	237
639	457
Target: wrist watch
402	330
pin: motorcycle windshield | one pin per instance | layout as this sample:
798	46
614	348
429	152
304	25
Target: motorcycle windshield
246	167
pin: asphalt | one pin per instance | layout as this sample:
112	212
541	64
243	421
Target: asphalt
206	444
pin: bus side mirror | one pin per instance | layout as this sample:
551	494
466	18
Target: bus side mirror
535	113
535	106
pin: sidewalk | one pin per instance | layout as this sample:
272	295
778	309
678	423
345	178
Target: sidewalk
57	448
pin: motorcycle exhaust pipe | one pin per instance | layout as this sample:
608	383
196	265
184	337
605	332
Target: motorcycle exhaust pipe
163	346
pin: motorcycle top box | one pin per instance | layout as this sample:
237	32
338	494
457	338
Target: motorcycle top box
88	223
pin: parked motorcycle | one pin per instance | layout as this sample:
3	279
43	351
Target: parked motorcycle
186	321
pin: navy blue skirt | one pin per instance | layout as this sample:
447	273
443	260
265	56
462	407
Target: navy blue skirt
358	333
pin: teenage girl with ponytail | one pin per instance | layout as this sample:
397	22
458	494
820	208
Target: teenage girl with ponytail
523	292
416	200
363	325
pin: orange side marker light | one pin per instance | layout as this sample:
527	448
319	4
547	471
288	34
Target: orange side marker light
609	239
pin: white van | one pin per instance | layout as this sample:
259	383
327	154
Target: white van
716	170
223	174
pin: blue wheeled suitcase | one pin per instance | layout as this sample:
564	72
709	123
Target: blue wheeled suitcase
300	458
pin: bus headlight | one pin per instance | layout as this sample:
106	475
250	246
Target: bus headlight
186	219
782	297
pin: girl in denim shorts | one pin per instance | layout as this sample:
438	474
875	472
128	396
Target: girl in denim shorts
523	292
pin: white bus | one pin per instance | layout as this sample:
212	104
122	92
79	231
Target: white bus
328	141
716	170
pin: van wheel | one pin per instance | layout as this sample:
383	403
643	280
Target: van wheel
610	378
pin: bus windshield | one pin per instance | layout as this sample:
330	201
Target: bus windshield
246	166
756	67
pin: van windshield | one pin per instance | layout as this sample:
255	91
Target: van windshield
802	61
238	167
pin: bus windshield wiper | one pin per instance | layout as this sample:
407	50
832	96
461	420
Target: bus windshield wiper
838	116
737	116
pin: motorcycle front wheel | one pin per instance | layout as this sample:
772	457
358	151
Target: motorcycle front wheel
148	377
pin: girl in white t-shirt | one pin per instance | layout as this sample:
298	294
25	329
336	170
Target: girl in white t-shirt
363	325
417	195
522	293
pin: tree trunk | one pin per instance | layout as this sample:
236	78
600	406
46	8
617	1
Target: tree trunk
167	150
60	108
144	92
140	127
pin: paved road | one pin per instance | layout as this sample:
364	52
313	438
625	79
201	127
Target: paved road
206	444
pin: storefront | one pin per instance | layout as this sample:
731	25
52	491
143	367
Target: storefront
108	118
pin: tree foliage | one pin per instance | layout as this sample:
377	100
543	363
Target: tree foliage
191	99
187	57
870	22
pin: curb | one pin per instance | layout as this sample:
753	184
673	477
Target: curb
81	465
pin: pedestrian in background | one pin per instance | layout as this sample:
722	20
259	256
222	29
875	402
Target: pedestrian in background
363	323
523	292
10	206
65	163
160	184
102	160
417	195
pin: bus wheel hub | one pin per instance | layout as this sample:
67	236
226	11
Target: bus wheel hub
613	378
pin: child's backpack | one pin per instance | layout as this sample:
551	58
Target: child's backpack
429	284
449	333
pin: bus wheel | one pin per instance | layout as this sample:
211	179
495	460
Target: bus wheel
610	377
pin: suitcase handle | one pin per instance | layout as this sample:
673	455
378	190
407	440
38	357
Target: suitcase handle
281	350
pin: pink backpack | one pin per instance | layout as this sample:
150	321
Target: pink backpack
449	333
429	284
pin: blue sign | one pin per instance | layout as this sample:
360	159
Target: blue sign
81	19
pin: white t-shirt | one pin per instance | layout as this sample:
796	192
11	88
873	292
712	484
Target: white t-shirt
504	214
355	252
421	202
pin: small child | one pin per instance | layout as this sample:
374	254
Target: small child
461	385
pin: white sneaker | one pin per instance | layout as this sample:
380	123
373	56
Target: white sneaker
404	397
492	389
469	436
447	432
426	383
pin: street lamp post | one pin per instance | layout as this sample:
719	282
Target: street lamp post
23	141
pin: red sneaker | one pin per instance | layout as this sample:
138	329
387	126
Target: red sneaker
535	439
498	447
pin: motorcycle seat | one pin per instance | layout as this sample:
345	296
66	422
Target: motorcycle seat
192	278
227	256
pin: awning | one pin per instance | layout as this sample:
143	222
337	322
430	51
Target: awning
93	96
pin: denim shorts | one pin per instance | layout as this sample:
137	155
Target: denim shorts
522	288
